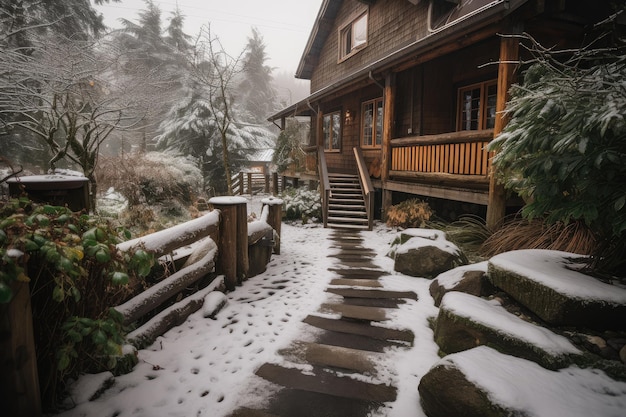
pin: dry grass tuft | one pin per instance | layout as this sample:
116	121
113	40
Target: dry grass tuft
520	233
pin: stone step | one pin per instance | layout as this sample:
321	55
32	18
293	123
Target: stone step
332	356
325	382
354	292
355	312
356	282
361	273
374	302
361	329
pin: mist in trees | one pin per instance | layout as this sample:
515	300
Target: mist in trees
70	92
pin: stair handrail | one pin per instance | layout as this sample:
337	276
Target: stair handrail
366	185
324	182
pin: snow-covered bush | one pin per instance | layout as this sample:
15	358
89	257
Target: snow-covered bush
302	204
152	177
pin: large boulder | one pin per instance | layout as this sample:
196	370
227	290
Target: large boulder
425	253
470	279
482	382
548	284
466	321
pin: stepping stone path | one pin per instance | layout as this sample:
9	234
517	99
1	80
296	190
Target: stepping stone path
352	329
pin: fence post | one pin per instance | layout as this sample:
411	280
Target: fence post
249	175
18	372
241	183
274	217
232	244
275	183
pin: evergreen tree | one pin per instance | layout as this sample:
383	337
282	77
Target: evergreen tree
257	94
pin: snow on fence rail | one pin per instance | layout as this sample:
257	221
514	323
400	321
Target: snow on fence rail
227	245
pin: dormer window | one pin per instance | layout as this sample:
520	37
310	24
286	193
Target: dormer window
353	36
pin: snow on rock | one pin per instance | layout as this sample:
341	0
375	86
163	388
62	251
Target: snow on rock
424	253
518	387
213	303
546	282
492	315
554	269
470	279
453	277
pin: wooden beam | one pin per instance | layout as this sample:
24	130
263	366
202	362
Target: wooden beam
448	193
509	56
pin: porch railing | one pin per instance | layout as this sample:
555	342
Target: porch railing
455	153
366	185
324	183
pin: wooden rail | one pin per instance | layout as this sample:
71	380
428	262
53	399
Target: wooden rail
255	182
366	186
223	238
324	183
459	153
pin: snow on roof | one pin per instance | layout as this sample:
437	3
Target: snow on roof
553	269
520	384
493	315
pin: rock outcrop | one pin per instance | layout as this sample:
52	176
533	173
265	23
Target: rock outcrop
530	341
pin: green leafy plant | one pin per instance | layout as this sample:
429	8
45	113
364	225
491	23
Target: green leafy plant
75	274
301	204
564	148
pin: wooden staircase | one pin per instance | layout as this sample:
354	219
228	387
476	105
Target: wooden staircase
346	205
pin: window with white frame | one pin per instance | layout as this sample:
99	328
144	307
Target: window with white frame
372	123
353	36
331	129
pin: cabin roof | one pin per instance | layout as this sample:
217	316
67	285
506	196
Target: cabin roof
478	13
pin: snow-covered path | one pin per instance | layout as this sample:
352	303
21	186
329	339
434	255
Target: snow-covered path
206	367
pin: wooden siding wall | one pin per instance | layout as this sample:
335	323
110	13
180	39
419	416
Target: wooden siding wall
392	24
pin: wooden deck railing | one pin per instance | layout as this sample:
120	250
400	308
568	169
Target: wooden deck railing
324	183
457	153
366	186
255	182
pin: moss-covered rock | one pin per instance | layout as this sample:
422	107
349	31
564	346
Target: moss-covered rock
546	282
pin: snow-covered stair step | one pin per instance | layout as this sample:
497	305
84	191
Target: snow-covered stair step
481	382
465	321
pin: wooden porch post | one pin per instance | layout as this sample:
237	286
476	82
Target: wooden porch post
388	117
509	56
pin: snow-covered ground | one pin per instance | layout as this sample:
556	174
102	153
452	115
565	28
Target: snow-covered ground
205	367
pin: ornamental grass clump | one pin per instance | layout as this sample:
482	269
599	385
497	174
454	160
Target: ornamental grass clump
409	213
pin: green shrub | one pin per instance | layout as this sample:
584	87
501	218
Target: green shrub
302	204
75	274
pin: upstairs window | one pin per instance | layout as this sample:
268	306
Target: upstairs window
331	129
353	37
477	106
372	128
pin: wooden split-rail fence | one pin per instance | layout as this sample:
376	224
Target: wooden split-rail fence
226	249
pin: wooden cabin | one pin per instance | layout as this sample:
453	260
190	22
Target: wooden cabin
406	94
